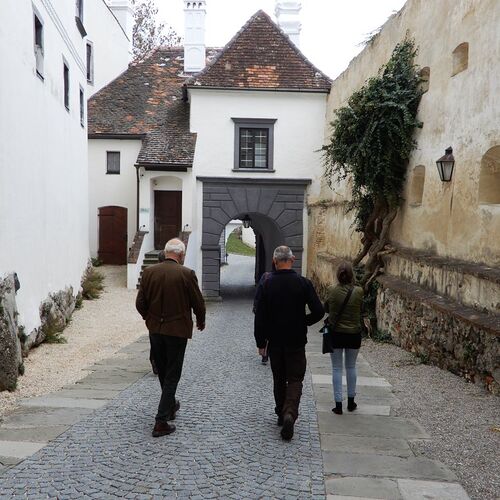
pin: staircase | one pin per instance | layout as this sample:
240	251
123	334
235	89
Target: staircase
150	259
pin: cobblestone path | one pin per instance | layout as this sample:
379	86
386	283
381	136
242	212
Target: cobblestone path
227	443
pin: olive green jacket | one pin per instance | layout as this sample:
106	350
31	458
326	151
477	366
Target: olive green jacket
350	321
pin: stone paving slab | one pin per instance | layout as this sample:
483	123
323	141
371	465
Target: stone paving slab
56	401
370	425
360	381
360	464
431	490
40	434
76	392
19	449
363	409
368	445
362	487
43	417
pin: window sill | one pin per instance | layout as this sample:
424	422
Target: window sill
256	170
112	173
40	76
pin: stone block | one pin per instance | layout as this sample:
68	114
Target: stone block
431	490
10	345
360	464
339	443
362	487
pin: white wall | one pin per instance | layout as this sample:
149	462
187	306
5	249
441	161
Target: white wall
111	45
298	137
112	189
43	160
298	131
248	237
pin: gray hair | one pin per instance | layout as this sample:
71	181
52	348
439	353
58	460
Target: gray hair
282	254
175	246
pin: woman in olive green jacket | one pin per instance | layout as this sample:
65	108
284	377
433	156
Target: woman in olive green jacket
347	335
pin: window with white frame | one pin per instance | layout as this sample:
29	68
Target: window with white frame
113	162
79	17
38	44
253	144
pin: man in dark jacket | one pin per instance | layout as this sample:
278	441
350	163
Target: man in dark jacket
167	294
281	321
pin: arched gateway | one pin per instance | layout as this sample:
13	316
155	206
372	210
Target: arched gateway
275	207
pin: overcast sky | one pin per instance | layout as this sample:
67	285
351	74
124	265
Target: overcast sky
331	29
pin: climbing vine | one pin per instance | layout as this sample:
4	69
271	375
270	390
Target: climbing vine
370	143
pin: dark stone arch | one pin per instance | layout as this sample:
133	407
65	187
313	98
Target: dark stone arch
278	201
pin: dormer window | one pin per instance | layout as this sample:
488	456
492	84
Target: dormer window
38	46
253	144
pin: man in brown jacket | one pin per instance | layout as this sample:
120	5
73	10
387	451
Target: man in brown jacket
167	294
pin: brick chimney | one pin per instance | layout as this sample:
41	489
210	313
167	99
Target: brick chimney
288	16
194	35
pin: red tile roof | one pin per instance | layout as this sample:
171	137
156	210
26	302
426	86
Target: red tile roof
261	56
147	100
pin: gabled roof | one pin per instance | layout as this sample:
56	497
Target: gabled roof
261	56
146	100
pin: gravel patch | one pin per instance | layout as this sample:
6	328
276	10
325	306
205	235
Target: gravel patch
460	417
96	331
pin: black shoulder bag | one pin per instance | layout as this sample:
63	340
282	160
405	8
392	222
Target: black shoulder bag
328	330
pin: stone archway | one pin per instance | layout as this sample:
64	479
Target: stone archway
276	206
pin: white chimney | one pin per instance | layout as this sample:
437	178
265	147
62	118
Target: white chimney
124	13
194	35
288	16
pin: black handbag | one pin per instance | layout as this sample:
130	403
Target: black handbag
328	330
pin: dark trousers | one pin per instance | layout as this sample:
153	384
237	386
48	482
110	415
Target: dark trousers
168	355
289	367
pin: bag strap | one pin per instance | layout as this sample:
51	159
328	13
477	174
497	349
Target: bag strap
342	307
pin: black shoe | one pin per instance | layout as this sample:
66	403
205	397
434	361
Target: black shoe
163	429
264	360
338	408
280	421
287	431
351	405
176	409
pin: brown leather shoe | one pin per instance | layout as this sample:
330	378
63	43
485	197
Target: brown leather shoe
176	409
163	429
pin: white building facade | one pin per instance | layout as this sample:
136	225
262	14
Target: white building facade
43	125
213	147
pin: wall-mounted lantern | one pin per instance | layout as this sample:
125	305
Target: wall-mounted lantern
246	221
445	165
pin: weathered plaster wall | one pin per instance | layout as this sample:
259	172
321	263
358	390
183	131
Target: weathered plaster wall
457	110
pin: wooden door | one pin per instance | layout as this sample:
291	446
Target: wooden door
113	235
168	216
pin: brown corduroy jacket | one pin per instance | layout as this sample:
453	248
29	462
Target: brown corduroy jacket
167	294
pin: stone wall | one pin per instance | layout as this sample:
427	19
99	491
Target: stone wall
441	331
55	313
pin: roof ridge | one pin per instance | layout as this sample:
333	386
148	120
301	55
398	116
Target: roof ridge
226	47
272	25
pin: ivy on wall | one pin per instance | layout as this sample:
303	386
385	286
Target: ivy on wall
371	142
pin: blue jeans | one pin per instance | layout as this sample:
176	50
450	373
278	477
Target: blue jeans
350	371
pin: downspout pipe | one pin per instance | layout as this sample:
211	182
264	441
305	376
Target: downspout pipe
137	167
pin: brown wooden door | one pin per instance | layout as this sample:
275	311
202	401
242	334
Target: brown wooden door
168	216
113	235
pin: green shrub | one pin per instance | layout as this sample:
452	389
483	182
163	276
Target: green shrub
53	334
92	285
79	301
96	262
